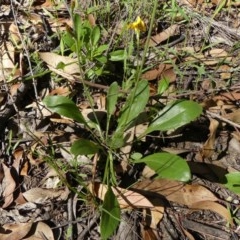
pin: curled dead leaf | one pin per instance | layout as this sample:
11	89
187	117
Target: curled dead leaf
41	194
126	198
14	231
9	186
175	191
215	207
234	116
162	70
70	65
40	230
208	147
163	36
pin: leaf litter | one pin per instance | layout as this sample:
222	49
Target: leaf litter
34	197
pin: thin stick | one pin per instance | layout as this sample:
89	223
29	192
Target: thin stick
215	115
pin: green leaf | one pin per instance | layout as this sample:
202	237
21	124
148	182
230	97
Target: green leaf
112	97
64	106
110	217
101	59
233	182
175	115
168	165
117	140
84	147
136	156
163	86
118	55
100	49
77	21
135	104
95	36
68	40
61	65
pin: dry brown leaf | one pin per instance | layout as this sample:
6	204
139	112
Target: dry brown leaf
155	73
208	147
20	199
235	135
156	216
63	91
215	55
126	150
170	75
60	24
195	57
91	20
215	207
54	60
148	234
7	60
14	34
189	50
62	120
68	76
188	234
1	173
148	172
10	186
14	88
126	198
206	84
234	116
217	52
225	72
34	161
41	194
40	231
175	191
217	2
235	4
163	36
18	153
191	3
14	231
49	5
228	96
25	168
208	103
35	18
210	58
158	72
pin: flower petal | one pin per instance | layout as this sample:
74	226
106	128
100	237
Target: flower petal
138	25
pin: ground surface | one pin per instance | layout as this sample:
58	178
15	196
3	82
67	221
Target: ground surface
194	46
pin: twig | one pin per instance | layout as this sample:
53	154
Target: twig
83	234
34	82
70	216
215	115
95	85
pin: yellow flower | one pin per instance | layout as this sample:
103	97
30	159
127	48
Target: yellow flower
138	26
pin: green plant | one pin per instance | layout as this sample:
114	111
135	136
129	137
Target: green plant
233	214
172	116
172	10
84	42
232	181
